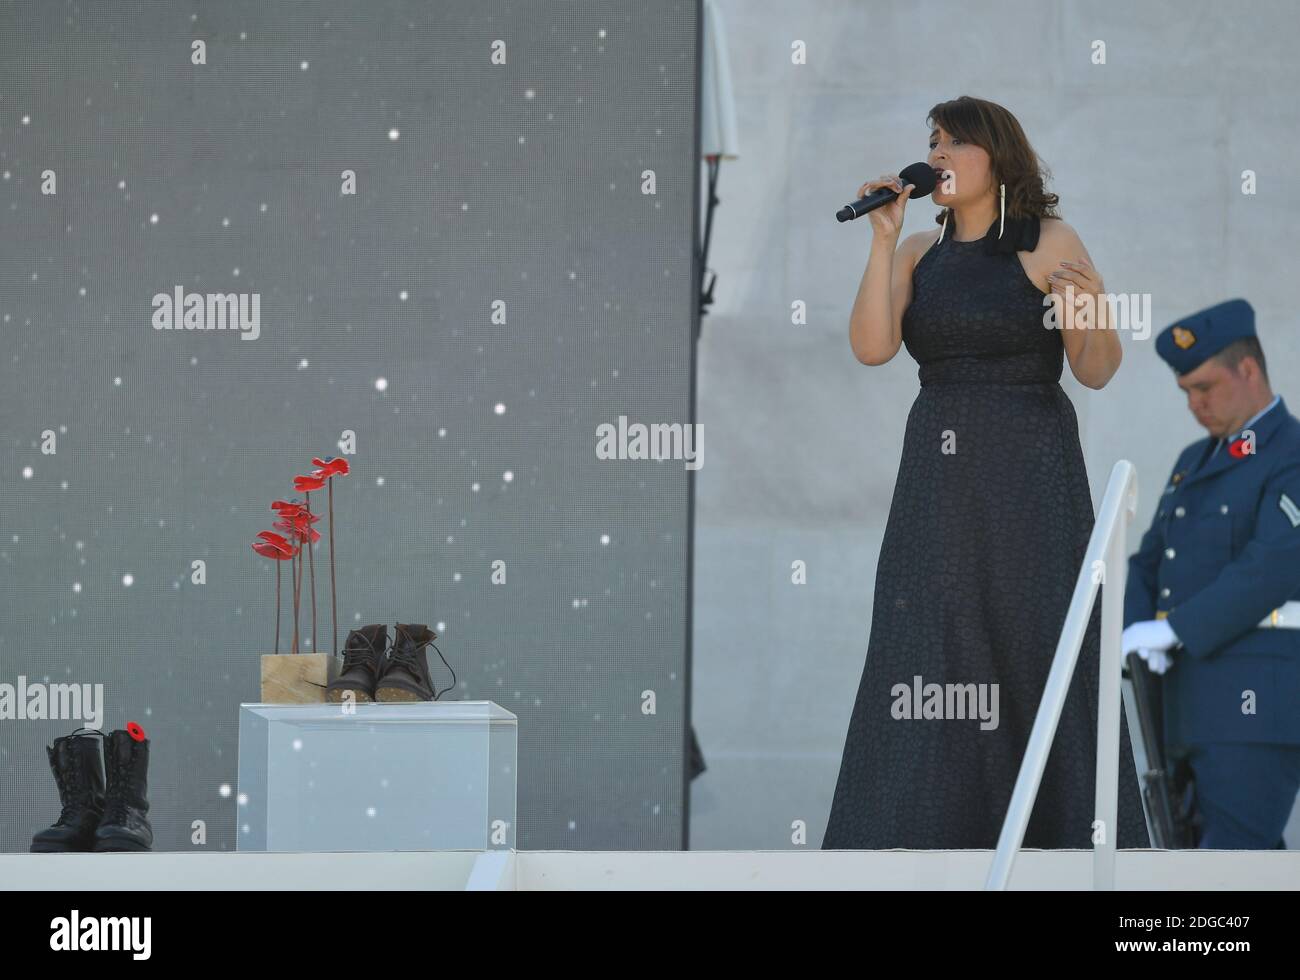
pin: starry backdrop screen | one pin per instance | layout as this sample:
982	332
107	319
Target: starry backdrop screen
513	269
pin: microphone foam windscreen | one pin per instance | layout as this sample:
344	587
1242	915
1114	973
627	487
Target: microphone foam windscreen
920	174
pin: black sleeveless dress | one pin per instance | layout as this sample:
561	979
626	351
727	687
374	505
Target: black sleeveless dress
987	530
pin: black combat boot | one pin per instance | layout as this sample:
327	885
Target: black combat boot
363	662
125	824
79	774
406	671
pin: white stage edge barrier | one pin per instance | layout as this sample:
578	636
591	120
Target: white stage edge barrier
638	870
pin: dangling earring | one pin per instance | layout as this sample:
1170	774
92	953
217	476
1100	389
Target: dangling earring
1002	193
945	226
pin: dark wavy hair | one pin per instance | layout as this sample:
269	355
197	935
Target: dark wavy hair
1011	159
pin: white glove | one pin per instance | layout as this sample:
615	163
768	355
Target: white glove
1148	635
1157	660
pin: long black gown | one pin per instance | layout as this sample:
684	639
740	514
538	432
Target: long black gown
977	566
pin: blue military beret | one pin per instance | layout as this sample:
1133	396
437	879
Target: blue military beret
1193	340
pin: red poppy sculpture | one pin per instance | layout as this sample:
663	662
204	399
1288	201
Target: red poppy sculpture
298	527
275	547
295	521
305	485
289	510
328	468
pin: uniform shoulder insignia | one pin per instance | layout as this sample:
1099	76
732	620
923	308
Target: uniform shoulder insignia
1176	478
1289	508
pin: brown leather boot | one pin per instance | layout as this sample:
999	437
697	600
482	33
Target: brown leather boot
363	663
406	671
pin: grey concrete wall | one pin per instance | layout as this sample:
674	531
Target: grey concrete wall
1146	152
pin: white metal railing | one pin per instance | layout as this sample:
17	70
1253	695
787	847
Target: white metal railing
1105	563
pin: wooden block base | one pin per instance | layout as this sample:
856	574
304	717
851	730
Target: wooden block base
297	678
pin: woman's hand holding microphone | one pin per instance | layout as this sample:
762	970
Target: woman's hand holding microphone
887	220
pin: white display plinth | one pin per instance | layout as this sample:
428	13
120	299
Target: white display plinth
414	776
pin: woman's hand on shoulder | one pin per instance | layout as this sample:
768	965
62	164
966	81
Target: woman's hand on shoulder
1080	305
1072	269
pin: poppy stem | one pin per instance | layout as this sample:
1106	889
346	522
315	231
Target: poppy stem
302	576
311	562
297	591
277	606
334	601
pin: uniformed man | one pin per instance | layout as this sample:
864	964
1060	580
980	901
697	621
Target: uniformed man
1213	597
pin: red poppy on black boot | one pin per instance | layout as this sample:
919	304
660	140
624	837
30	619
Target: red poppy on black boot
125	824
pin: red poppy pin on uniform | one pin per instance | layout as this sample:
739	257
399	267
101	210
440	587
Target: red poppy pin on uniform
135	731
1238	448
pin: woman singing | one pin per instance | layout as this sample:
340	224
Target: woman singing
991	512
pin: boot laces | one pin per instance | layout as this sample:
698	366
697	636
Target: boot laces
116	803
115	811
409	654
69	782
358	656
406	655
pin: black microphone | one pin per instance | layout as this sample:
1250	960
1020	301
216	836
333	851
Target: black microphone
920	174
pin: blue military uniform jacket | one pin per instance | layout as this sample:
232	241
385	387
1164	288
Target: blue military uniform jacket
1222	552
